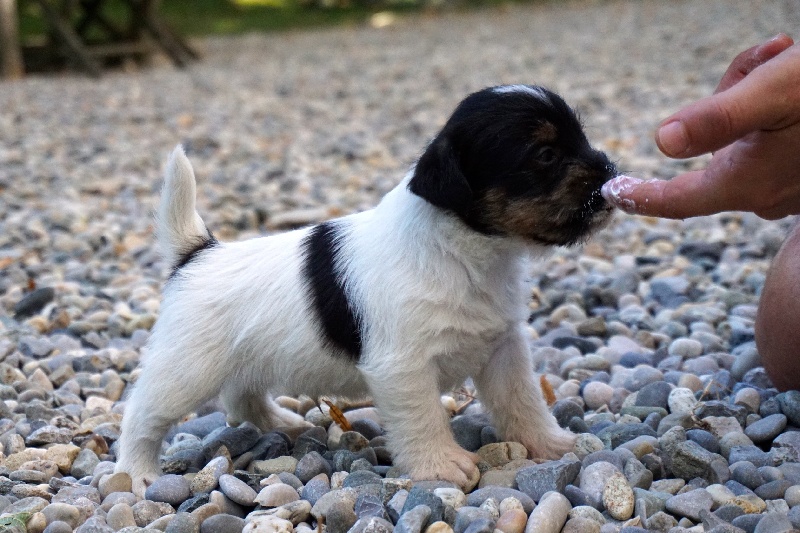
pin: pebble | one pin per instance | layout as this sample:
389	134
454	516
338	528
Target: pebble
207	478
766	429
169	488
596	394
537	480
690	504
512	521
686	348
414	520
222	523
618	497
237	490
550	515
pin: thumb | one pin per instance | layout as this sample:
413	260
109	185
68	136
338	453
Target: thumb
686	195
760	101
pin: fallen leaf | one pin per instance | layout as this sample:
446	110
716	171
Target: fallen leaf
338	416
547	390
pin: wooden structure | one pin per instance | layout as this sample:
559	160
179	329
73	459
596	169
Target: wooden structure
80	32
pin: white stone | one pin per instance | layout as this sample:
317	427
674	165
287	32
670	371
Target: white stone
681	400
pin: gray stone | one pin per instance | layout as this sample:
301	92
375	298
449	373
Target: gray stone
773	490
370	505
565	410
371	524
747	474
340	517
766	429
146	511
643	375
183	523
689	504
476	498
536	480
786	448
314	490
704	438
467	430
94	524
236	439
753	454
481	525
689	460
790	406
418	496
55	527
747	522
312	464
618	434
119	516
84	464
414	520
169	488
237	490
774	523
222	523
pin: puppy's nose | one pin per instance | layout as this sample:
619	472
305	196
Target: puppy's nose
611	168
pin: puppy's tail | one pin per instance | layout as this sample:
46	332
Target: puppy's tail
181	232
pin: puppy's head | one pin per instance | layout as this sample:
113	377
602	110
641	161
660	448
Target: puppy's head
513	160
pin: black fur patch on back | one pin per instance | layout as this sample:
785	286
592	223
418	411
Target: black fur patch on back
326	289
191	254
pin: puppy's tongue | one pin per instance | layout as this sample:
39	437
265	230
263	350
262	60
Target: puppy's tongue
614	190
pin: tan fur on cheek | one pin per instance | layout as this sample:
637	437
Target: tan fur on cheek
556	218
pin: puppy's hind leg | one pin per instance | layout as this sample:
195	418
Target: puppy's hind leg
243	405
506	386
166	391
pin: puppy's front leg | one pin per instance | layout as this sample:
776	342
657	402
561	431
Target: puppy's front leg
507	387
419	431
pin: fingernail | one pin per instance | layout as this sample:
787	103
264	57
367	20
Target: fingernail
672	138
613	191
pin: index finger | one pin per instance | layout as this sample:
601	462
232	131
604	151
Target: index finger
684	196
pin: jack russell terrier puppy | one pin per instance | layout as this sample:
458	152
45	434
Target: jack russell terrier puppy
400	302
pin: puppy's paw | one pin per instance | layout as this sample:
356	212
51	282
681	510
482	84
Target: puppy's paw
282	417
455	465
140	482
550	445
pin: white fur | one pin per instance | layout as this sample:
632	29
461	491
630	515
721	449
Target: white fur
438	301
179	225
519	88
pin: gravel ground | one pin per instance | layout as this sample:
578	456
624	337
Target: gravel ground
646	333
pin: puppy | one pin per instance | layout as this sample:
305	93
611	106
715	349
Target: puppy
400	302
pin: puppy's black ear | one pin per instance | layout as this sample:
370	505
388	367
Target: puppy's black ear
438	178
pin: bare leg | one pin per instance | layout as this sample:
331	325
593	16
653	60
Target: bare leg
508	389
777	334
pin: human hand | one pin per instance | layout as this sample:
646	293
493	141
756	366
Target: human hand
752	124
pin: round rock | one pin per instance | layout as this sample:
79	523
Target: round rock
276	495
618	497
169	488
237	490
766	429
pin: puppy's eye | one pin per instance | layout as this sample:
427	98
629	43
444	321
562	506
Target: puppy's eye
545	155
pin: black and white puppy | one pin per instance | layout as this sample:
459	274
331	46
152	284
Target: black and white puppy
400	302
